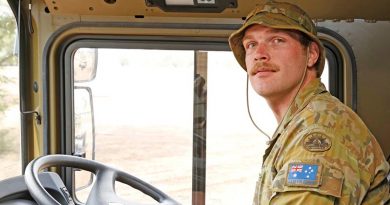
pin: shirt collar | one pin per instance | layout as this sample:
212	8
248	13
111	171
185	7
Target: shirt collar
303	98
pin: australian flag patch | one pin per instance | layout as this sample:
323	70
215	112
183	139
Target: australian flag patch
303	174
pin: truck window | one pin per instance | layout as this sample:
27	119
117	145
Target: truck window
9	95
176	119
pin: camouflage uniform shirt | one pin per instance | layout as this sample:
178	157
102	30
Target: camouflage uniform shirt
322	153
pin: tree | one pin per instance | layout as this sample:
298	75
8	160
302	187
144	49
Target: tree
7	35
7	42
7	59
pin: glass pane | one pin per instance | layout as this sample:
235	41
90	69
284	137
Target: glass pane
143	116
9	94
325	75
234	145
143	106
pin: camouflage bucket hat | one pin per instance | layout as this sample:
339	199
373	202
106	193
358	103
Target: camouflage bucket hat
279	15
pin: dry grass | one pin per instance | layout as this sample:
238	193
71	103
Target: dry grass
165	161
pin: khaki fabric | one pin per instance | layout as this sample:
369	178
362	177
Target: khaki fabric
321	131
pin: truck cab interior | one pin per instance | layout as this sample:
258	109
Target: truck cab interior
84	101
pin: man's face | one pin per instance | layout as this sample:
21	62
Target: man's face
275	61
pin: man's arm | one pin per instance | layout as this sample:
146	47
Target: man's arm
301	197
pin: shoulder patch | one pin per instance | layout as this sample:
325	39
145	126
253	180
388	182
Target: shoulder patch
304	174
317	142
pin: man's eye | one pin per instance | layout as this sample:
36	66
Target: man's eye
277	40
250	45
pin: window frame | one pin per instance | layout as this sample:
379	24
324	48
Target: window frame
342	67
144	42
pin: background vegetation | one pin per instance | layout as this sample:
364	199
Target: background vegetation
8	60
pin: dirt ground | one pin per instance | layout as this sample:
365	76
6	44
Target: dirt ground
233	163
163	158
10	162
162	155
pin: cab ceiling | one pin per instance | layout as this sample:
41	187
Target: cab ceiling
318	9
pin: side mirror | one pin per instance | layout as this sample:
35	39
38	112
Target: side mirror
84	132
84	70
84	122
85	64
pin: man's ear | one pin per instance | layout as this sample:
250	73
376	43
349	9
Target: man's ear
314	53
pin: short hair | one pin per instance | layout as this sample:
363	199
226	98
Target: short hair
305	41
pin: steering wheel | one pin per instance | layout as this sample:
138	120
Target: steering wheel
103	190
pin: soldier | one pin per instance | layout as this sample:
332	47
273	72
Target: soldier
321	152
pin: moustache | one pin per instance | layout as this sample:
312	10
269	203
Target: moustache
263	66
